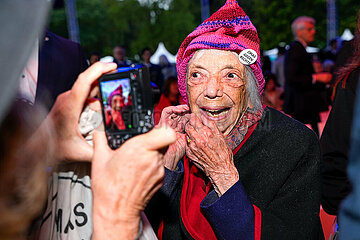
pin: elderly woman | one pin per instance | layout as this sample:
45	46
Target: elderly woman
114	116
238	170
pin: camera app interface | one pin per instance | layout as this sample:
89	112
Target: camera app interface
116	97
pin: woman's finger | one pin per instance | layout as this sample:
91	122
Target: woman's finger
210	124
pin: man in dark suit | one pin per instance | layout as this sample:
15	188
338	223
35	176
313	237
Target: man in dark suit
303	100
51	70
60	63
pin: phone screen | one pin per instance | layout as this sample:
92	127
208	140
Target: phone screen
116	100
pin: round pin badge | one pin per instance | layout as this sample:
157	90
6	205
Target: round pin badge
248	56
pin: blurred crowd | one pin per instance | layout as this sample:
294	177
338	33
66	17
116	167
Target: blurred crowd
328	60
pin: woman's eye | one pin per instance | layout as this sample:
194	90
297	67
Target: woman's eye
231	75
195	75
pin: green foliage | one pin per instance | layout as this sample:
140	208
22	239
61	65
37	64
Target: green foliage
348	10
106	23
58	22
176	24
92	22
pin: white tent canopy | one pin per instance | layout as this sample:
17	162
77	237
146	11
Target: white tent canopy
347	35
161	50
272	53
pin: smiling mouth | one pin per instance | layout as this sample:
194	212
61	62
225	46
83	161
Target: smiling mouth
218	113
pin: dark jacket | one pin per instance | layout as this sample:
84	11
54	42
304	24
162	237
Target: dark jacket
279	173
60	63
335	145
349	215
303	99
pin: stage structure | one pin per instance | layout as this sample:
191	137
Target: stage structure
332	21
72	21
205	9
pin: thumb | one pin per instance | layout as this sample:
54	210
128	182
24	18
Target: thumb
158	138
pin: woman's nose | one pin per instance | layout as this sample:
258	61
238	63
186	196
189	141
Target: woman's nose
213	88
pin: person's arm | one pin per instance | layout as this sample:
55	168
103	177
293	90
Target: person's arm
322	77
299	73
124	180
335	144
65	115
227	208
209	151
284	217
232	214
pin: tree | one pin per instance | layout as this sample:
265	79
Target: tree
348	10
106	23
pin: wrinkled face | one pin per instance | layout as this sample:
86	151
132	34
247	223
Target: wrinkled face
117	102
307	33
216	87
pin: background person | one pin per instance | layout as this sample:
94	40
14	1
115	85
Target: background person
51	69
94	57
336	137
167	69
278	65
169	97
272	95
156	76
303	100
119	54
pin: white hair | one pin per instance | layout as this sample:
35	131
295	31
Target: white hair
299	23
252	89
252	86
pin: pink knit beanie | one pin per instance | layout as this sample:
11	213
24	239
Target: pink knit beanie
227	29
117	91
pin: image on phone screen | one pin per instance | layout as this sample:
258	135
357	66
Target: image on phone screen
116	100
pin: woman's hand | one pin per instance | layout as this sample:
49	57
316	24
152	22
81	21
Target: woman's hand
208	150
176	117
124	180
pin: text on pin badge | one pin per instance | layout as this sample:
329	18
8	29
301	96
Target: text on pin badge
247	56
